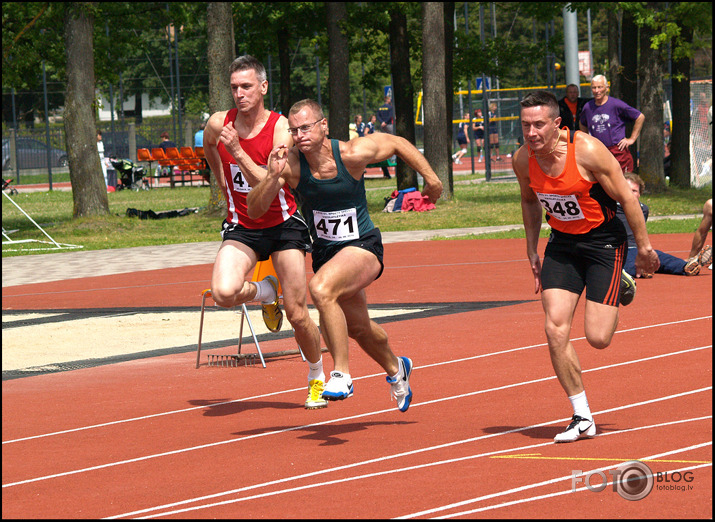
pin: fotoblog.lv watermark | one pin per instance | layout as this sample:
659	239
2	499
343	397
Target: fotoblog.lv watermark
632	480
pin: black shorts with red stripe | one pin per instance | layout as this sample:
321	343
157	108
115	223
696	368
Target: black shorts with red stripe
592	261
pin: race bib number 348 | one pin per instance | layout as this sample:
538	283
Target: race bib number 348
563	208
339	225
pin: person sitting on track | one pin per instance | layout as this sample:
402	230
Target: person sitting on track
669	264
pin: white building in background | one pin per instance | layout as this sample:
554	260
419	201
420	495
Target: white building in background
150	107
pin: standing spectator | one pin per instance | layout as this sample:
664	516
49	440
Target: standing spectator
605	118
100	149
386	116
166	143
359	126
493	130
570	107
199	136
478	128
462	139
370	126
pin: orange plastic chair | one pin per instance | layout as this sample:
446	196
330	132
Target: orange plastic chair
160	157
187	153
262	269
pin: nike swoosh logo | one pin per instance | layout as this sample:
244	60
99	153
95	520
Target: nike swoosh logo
581	432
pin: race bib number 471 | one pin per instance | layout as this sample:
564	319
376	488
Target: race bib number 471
339	225
563	208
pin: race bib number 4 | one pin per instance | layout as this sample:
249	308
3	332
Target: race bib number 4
340	225
239	182
563	208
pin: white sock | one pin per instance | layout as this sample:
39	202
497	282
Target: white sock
580	405
265	293
316	370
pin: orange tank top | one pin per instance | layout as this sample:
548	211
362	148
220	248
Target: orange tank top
573	204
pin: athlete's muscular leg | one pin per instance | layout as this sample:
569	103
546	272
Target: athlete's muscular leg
371	337
600	323
290	269
348	272
234	261
559	306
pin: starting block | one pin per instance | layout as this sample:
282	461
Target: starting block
262	269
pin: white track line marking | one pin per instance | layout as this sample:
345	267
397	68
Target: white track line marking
539	484
364	476
334	421
185	410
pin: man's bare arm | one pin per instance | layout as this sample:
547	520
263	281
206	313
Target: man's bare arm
375	148
592	155
211	134
280	171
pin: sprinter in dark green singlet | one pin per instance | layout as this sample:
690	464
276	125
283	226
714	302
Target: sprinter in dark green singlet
347	248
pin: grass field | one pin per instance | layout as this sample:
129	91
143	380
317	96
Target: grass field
475	204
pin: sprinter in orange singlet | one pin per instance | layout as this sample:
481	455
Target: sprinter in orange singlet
577	181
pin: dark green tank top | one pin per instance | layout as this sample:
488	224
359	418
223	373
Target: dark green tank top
335	209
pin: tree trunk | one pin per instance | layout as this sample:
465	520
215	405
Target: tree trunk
449	91
614	61
219	27
338	71
402	92
629	72
89	192
284	61
437	142
680	132
651	93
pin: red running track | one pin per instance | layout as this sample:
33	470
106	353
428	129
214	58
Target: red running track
156	437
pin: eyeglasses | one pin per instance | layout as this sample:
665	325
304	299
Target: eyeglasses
303	128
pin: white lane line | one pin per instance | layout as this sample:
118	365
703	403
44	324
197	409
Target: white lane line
364	476
545	483
334	421
184	410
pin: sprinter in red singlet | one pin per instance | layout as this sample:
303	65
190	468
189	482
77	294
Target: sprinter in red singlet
577	181
237	144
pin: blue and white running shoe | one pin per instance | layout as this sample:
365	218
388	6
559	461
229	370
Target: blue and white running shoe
400	385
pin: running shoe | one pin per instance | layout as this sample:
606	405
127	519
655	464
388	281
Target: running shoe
400	386
272	315
705	256
457	162
692	267
339	387
315	392
579	428
628	288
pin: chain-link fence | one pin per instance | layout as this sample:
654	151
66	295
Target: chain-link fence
507	111
701	137
36	155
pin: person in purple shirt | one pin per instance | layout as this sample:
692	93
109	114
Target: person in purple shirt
605	118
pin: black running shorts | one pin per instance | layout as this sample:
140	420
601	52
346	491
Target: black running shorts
372	242
290	234
593	261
